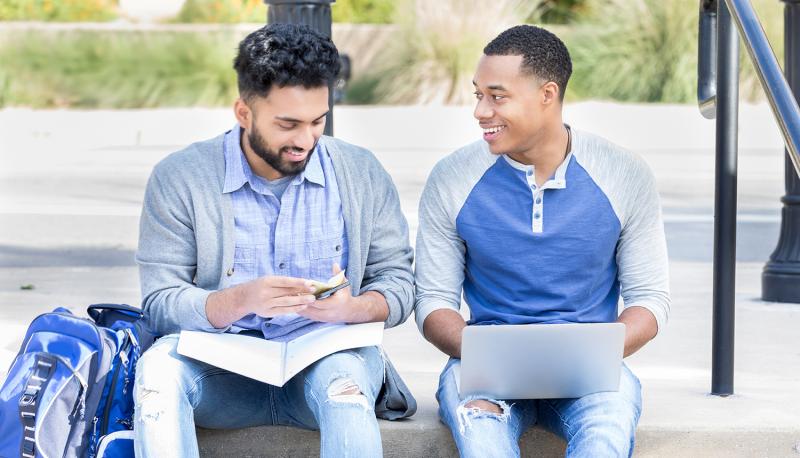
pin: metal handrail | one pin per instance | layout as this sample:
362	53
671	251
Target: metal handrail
781	99
721	24
707	60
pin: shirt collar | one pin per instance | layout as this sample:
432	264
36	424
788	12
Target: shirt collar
559	179
238	171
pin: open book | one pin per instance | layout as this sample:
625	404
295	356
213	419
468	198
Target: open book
275	362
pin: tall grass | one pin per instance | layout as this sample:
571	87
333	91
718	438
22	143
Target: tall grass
222	11
438	44
646	51
58	10
117	70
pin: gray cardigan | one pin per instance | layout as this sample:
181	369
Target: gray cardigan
186	239
186	234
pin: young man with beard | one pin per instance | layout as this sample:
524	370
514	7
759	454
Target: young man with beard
231	228
538	223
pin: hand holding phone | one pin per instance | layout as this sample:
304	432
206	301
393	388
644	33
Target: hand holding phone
328	292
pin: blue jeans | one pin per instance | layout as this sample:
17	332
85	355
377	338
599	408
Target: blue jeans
599	424
335	395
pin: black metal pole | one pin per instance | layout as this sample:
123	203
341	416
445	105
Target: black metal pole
725	203
313	13
780	281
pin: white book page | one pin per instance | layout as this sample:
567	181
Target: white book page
310	347
246	355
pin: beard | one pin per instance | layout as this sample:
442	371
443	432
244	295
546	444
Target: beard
275	158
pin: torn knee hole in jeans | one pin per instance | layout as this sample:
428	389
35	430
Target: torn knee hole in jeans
345	390
471	409
148	405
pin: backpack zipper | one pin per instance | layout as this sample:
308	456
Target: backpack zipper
107	410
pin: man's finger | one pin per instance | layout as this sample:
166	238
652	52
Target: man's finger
289	301
286	282
275	311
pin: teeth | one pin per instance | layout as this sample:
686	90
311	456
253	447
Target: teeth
493	130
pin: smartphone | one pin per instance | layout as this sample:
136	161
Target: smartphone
327	293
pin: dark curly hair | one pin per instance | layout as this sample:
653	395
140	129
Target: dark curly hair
543	54
284	55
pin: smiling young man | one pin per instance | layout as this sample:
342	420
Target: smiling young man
231	230
538	223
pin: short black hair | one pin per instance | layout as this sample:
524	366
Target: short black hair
543	54
284	55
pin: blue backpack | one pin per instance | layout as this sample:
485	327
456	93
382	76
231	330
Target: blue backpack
69	391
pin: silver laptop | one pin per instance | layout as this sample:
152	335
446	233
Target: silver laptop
541	361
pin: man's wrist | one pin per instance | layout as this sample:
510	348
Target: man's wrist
370	306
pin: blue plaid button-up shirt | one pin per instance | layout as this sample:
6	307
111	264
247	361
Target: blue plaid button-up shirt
302	234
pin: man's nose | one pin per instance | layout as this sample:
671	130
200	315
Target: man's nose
305	139
482	110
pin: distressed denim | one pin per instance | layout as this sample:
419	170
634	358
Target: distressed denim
174	393
596	425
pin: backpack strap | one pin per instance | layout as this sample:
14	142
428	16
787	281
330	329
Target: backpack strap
36	383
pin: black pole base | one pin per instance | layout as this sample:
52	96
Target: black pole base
781	287
780	280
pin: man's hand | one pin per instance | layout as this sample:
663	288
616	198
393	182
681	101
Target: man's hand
343	307
265	296
640	327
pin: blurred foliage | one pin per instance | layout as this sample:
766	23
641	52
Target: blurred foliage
58	10
363	11
646	50
99	69
437	47
222	11
624	50
559	11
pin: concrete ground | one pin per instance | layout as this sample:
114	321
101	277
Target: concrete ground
71	186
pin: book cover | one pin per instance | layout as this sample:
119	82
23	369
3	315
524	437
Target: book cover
275	362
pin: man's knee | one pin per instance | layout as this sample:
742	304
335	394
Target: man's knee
159	379
483	405
476	409
343	390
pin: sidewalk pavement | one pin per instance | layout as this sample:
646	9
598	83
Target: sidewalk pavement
71	185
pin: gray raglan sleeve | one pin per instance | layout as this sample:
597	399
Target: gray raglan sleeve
642	247
167	259
440	251
389	257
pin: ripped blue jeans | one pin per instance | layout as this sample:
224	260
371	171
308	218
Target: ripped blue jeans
599	424
336	395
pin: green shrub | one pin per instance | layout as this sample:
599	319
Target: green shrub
560	11
222	11
57	10
433	58
117	70
646	51
363	11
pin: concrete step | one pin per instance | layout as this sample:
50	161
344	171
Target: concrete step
424	436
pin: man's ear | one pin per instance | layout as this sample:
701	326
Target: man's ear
550	93
243	113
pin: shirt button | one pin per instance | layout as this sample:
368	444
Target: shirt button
538	200
533	186
282	265
230	272
338	248
536	216
530	172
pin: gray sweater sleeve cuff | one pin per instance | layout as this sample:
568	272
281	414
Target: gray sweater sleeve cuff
397	313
